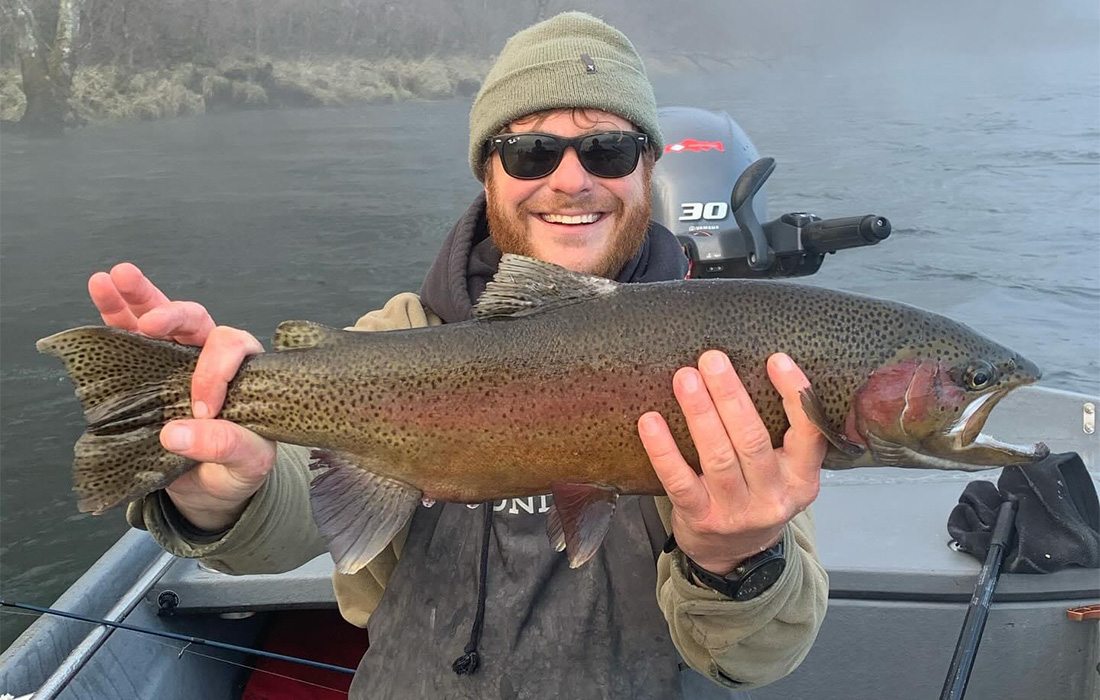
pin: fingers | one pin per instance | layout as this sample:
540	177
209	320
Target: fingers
135	289
127	299
757	463
221	357
718	456
247	456
112	308
681	483
803	445
185	322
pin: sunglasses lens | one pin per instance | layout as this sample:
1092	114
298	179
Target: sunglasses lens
609	155
530	156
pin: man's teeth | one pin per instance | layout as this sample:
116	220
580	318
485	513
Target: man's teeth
564	219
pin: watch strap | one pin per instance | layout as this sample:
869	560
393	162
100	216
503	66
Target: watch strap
732	584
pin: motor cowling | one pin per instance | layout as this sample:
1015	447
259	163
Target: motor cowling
704	154
708	189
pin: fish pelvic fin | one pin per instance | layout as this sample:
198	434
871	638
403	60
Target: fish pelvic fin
580	518
357	512
299	335
523	286
811	405
129	386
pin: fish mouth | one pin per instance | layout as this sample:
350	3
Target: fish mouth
966	438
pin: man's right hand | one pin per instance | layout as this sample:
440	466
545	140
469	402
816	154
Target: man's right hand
234	461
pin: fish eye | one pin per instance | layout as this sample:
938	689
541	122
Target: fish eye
979	375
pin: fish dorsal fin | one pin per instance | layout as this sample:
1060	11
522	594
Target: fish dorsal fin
298	335
525	286
357	512
580	519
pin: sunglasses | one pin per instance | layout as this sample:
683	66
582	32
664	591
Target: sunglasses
531	155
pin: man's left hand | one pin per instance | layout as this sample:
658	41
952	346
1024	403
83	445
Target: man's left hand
748	490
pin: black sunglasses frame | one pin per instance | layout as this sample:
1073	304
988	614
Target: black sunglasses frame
501	141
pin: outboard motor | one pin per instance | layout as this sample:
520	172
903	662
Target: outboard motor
707	190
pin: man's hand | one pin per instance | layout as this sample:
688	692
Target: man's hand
234	462
747	491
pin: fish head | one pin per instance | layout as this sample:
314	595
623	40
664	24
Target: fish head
927	407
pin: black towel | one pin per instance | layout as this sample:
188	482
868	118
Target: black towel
1057	516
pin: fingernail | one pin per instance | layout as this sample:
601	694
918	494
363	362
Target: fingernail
177	438
783	362
200	410
714	362
648	424
690	381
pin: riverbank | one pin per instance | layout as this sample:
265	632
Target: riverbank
109	93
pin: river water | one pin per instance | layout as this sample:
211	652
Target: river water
989	169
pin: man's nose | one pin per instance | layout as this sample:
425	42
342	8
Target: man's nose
570	175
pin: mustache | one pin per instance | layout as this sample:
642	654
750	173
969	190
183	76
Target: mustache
585	203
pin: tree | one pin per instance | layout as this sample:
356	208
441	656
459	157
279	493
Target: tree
47	70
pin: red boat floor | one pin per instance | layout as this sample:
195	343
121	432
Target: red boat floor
317	635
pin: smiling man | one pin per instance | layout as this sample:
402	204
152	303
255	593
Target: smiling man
569	216
564	135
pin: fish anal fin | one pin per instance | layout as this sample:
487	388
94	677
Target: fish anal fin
357	512
298	335
584	512
816	413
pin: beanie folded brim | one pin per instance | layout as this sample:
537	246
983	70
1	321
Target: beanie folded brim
572	60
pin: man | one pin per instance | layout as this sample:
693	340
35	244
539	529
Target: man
564	135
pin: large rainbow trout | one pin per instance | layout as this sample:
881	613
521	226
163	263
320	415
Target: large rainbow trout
542	393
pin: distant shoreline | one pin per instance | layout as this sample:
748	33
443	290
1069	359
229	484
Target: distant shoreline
109	93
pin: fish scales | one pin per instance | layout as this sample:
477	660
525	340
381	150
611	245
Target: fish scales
542	392
504	407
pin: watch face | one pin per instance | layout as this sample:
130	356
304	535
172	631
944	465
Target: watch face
760	579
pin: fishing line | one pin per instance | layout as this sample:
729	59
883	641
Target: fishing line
251	668
180	637
186	649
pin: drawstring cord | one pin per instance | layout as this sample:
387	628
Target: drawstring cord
466	665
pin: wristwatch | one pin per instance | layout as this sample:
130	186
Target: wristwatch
751	578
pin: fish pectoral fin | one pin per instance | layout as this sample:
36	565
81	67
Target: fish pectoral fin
580	519
298	335
816	413
523	286
357	512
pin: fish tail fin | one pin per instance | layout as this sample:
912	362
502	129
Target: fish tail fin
129	386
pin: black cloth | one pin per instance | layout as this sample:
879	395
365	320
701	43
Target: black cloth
1057	516
549	631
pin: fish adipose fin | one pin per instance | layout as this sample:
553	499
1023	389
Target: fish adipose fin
130	386
580	519
816	413
357	512
525	286
298	335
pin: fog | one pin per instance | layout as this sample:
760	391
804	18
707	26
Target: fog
160	33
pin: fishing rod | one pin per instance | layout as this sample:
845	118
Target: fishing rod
179	637
966	649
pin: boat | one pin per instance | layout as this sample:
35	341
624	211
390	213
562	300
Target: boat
899	591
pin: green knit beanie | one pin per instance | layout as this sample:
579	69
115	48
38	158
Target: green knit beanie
571	60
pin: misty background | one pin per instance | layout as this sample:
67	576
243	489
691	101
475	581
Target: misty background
974	127
160	33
